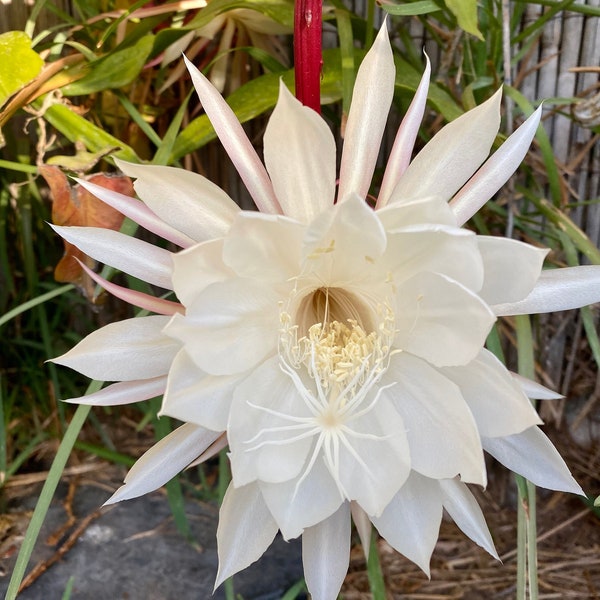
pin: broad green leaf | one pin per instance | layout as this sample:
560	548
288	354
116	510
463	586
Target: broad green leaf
77	129
115	70
281	11
19	64
465	12
260	95
410	9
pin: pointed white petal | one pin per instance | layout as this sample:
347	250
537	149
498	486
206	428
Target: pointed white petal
371	99
363	527
453	155
258	450
236	143
466	513
125	392
124	351
411	521
503	281
496	170
533	455
196	397
535	390
296	504
440	320
300	156
404	143
557	289
246	529
438	249
230	327
429	210
497	402
137	211
163	461
264	247
185	200
196	268
342	244
441	431
384	462
139	299
326	554
140	259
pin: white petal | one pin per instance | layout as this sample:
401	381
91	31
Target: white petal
196	268
497	402
429	210
466	513
236	143
139	299
260	448
557	289
363	527
439	249
163	461
453	155
441	431
342	243
195	397
140	259
440	320
535	390
126	392
264	247
511	268
496	170
124	351
383	464
300	156
246	529
371	100
411	521
138	212
533	455
296	504
404	143
230	327
185	200
326	554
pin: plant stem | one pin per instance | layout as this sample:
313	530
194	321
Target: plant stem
308	60
374	572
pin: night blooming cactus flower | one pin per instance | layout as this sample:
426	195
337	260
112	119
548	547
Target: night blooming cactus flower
339	347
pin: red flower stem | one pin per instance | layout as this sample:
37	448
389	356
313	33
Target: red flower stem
308	60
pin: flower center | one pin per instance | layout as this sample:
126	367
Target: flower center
338	338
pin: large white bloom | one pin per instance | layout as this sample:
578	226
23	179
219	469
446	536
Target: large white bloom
340	348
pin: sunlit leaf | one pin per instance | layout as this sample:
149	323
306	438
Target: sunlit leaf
465	12
114	70
19	64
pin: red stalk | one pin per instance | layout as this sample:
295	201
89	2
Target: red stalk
308	59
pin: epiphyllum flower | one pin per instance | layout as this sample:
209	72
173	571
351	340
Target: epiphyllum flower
340	347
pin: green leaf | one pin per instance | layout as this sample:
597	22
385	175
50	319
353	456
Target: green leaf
465	12
410	9
77	129
19	64
115	70
281	11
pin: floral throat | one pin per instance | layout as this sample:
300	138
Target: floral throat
336	349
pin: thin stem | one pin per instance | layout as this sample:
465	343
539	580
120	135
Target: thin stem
308	60
374	572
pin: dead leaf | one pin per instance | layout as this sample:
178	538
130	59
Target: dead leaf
73	205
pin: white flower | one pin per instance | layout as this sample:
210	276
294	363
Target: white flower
340	348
